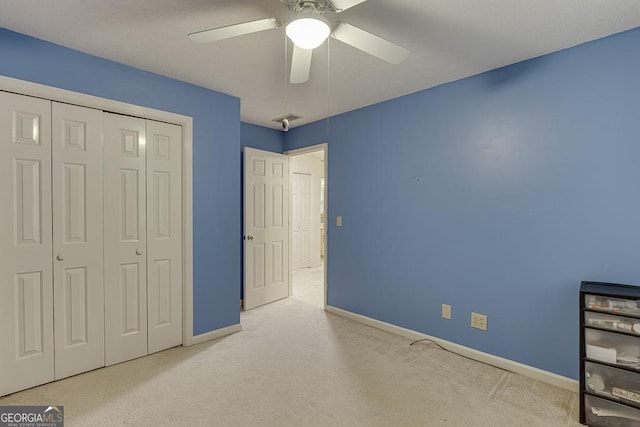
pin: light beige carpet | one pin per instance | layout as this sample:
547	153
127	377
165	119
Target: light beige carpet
295	365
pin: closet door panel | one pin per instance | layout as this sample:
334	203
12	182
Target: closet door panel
26	284
77	239
125	238
164	235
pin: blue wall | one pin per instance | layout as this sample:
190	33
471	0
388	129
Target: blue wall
216	155
496	194
262	138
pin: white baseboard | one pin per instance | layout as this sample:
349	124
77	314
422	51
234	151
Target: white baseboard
218	333
506	364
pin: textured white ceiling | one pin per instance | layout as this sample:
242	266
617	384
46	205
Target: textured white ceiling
448	40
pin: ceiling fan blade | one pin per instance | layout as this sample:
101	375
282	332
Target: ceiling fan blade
340	5
369	43
234	30
300	64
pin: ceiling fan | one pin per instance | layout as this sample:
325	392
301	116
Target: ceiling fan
308	31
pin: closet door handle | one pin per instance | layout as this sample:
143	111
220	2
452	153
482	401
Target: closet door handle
139	251
60	257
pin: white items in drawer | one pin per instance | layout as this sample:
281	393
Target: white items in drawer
623	393
603	354
610	347
614	305
613	383
602	413
612	322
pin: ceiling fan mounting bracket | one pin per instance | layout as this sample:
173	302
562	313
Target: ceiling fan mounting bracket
317	7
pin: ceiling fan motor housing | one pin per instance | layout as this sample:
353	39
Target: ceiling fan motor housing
317	7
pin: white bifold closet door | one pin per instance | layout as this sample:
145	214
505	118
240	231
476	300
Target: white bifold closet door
51	288
125	232
78	294
26	280
90	239
164	235
143	239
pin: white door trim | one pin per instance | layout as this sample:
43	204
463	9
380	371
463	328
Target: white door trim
22	87
304	150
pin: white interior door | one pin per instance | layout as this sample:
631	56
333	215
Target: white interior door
306	174
266	225
77	239
26	279
301	199
125	238
164	236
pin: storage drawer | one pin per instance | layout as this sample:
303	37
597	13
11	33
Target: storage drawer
617	384
604	413
612	322
609	347
628	307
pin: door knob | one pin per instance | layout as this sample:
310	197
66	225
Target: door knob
139	251
249	237
60	257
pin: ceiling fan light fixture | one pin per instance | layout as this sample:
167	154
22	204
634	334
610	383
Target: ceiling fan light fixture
308	33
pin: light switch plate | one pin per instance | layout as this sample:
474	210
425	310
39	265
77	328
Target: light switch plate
339	221
446	311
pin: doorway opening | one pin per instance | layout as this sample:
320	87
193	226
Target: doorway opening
307	230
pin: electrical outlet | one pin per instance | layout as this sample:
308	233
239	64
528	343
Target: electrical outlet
446	311
479	321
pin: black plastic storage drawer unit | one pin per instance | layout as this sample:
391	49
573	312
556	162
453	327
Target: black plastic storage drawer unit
609	354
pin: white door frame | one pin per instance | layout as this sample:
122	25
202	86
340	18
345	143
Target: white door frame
62	95
305	150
